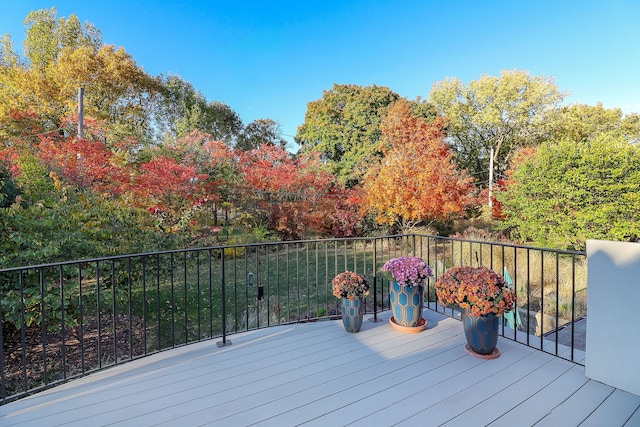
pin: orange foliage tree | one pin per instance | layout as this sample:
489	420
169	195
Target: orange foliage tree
417	180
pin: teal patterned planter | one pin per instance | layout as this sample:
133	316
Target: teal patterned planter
481	332
406	303
352	312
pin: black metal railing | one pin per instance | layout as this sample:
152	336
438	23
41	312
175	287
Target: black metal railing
67	319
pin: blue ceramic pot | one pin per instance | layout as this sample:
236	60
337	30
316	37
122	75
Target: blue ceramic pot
352	312
481	332
406	303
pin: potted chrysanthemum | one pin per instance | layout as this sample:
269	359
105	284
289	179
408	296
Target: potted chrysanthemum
406	291
351	288
483	296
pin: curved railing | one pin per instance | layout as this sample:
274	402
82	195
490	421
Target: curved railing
67	319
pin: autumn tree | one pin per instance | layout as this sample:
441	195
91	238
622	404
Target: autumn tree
294	195
62	55
571	191
417	180
183	183
496	113
65	208
25	82
214	160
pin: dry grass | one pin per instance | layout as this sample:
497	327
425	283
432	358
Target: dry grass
553	281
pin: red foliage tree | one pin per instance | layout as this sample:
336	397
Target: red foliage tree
164	182
86	164
295	194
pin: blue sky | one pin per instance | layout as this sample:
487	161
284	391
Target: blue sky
268	59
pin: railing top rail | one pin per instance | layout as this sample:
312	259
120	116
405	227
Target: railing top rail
509	245
262	244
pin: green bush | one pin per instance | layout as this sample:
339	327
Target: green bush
570	191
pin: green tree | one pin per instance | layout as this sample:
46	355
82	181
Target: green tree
183	109
344	126
47	36
579	122
258	132
499	113
8	188
570	191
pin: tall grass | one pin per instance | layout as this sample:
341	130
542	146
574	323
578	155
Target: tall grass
553	283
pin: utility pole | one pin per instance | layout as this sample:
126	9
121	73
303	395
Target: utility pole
81	112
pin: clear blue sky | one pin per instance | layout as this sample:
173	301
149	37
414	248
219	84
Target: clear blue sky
269	58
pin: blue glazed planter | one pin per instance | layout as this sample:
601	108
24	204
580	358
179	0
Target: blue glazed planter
406	303
481	332
352	312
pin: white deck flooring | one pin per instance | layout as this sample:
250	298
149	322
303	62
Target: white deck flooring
317	374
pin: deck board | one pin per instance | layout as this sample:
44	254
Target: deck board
317	374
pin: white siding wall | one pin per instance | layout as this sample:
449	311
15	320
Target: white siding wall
613	314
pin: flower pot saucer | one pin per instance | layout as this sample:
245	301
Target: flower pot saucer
422	324
493	355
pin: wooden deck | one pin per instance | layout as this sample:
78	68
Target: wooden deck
318	375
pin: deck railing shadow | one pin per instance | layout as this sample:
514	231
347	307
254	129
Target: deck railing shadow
67	319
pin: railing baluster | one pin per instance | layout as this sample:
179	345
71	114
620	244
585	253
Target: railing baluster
375	280
542	311
557	299
186	299
43	325
278	282
235	288
23	333
573	305
317	281
99	313
198	308
144	302
81	318
3	376
288	285
129	308
63	326
306	252
246	288
114	313
224	301
528	293
158	296
209	253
